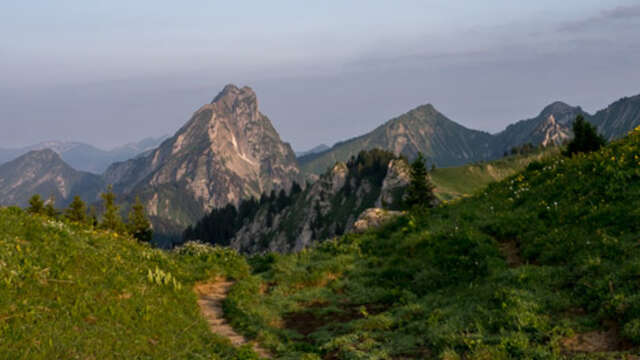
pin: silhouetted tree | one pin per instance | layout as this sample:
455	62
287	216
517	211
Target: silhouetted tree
420	189
586	138
138	224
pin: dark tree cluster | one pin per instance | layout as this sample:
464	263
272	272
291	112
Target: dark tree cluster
585	138
371	165
221	224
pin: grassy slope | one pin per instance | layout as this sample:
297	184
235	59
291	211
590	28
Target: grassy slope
454	182
67	292
437	285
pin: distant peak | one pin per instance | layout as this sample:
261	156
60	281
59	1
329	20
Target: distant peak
558	107
43	154
232	92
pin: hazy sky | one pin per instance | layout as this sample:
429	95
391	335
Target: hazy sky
112	72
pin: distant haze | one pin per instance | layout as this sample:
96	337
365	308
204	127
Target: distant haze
114	72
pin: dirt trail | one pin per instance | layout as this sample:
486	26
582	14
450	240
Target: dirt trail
210	298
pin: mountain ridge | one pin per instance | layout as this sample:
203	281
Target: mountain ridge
44	172
451	144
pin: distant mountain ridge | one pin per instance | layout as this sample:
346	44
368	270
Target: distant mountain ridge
315	150
44	172
85	157
422	129
446	143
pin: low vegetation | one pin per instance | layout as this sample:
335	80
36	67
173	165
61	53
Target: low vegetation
542	265
72	291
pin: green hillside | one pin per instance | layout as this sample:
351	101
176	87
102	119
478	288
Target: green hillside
71	292
542	265
454	182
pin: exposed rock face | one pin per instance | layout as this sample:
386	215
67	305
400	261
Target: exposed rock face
373	218
43	172
227	151
397	179
327	208
551	127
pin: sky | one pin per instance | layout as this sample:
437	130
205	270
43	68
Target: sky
113	72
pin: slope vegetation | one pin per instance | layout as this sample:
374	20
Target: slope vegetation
455	182
71	292
542	265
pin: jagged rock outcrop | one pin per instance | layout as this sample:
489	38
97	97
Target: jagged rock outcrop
325	209
43	172
551	127
226	152
373	218
396	180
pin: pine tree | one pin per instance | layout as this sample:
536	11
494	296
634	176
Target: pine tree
420	189
77	210
586	138
111	219
36	205
138	224
49	207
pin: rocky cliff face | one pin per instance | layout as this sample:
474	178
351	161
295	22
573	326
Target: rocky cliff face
43	172
327	208
551	127
226	152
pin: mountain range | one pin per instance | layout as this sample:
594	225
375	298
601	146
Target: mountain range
446	143
229	151
86	157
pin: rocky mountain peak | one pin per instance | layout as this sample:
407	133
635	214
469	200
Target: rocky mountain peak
226	152
562	113
231	96
44	155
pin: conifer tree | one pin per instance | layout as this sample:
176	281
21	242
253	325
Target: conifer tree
586	138
138	224
36	205
77	210
111	219
420	189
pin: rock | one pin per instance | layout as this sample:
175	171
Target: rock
397	179
372	218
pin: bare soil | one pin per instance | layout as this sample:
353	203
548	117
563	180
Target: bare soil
210	298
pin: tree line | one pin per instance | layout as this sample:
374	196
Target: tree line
137	224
